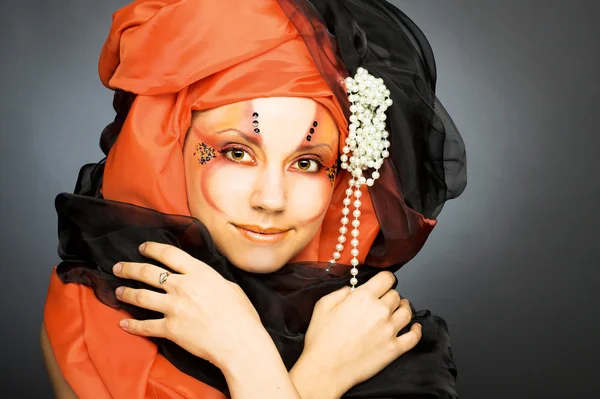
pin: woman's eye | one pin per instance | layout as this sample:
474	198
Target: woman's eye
307	165
237	155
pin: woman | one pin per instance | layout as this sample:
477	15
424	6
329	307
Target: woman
211	252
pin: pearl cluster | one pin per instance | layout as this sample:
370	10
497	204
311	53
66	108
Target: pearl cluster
366	148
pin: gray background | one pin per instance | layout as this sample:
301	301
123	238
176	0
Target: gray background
513	263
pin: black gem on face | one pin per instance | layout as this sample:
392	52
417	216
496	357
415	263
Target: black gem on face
256	131
205	153
255	115
309	138
312	130
255	123
315	123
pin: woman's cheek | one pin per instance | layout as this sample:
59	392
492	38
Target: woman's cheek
308	209
223	184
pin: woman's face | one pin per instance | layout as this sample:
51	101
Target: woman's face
259	175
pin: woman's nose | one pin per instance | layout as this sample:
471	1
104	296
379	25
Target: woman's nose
269	192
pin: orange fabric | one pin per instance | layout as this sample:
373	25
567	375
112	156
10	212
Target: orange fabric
99	360
180	56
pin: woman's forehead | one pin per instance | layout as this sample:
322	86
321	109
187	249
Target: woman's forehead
273	112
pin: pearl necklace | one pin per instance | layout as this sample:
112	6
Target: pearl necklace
366	148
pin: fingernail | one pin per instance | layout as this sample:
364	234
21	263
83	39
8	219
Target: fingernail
142	246
117	268
124	323
119	291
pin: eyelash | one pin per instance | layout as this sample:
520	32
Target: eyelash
317	160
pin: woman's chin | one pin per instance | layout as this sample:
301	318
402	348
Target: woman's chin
258	260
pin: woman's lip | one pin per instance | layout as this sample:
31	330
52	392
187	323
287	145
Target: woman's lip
263	238
260	230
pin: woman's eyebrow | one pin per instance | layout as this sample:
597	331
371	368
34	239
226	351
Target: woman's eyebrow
252	138
306	147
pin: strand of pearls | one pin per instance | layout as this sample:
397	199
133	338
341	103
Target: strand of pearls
366	148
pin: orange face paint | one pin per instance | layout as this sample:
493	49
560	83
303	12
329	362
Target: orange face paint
252	195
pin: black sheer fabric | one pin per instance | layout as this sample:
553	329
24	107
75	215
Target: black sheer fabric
96	233
427	163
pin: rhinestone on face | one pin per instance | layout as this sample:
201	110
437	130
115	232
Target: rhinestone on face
315	123
255	123
255	115
205	153
256	131
308	138
312	130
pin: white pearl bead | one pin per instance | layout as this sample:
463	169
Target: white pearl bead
336	255
366	146
354	272
353	281
339	247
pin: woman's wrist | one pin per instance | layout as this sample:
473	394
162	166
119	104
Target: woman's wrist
315	380
255	369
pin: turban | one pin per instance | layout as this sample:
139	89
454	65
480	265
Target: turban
167	54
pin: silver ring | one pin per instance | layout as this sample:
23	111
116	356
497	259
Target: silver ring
163	278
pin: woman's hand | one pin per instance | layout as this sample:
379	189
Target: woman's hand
353	335
205	314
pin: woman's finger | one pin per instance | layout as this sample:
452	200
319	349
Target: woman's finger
391	299
144	298
145	328
378	285
144	272
170	256
409	340
402	316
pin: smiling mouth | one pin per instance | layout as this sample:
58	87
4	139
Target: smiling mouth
261	235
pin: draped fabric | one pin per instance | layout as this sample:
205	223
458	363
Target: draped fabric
96	233
166	59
